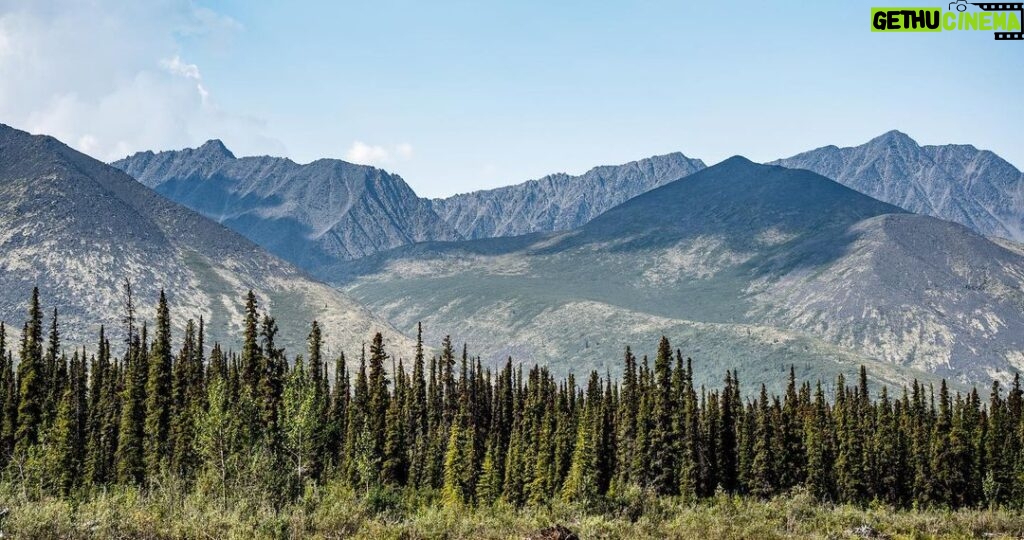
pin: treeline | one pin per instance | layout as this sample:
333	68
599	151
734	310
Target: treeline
449	429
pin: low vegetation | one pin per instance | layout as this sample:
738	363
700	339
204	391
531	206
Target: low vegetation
334	511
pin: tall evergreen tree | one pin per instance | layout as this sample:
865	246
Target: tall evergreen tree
583	482
63	457
54	370
818	441
664	458
272	367
102	425
728	463
626	418
418	418
999	478
377	404
130	464
158	392
185	404
763	482
251	353
31	378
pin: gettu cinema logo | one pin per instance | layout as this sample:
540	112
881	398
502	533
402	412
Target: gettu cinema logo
1002	18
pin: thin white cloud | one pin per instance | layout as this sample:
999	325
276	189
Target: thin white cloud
177	67
404	151
189	71
108	76
367	154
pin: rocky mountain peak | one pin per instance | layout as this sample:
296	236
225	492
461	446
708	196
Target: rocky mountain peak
959	183
215	149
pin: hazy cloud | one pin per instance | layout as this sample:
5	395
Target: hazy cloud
367	154
188	71
108	77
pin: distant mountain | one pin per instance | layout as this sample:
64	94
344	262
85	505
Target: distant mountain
310	215
748	266
957	183
559	202
77	227
328	211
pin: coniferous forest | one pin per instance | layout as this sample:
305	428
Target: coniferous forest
150	412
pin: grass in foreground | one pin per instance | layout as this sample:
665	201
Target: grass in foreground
335	512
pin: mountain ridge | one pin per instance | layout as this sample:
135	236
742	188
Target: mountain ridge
77	227
327	211
308	214
756	265
572	200
955	182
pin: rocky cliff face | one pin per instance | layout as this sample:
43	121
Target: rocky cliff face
310	215
559	202
958	183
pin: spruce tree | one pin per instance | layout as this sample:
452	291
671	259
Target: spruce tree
63	457
315	366
272	366
818	441
664	458
32	389
377	404
394	469
418	417
945	464
887	454
642	458
448	390
763	466
355	447
9	405
999	477
728	462
626	417
513	483
688	433
850	470
251	353
184	405
338	413
130	464
78	385
158	393
452	492
490	486
791	441
102	426
54	372
582	484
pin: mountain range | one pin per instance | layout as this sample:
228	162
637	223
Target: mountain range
744	265
329	210
891	254
309	214
955	182
559	202
77	228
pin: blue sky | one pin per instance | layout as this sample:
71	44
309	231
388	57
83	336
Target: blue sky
456	96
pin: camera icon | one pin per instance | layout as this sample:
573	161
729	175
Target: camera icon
961	5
